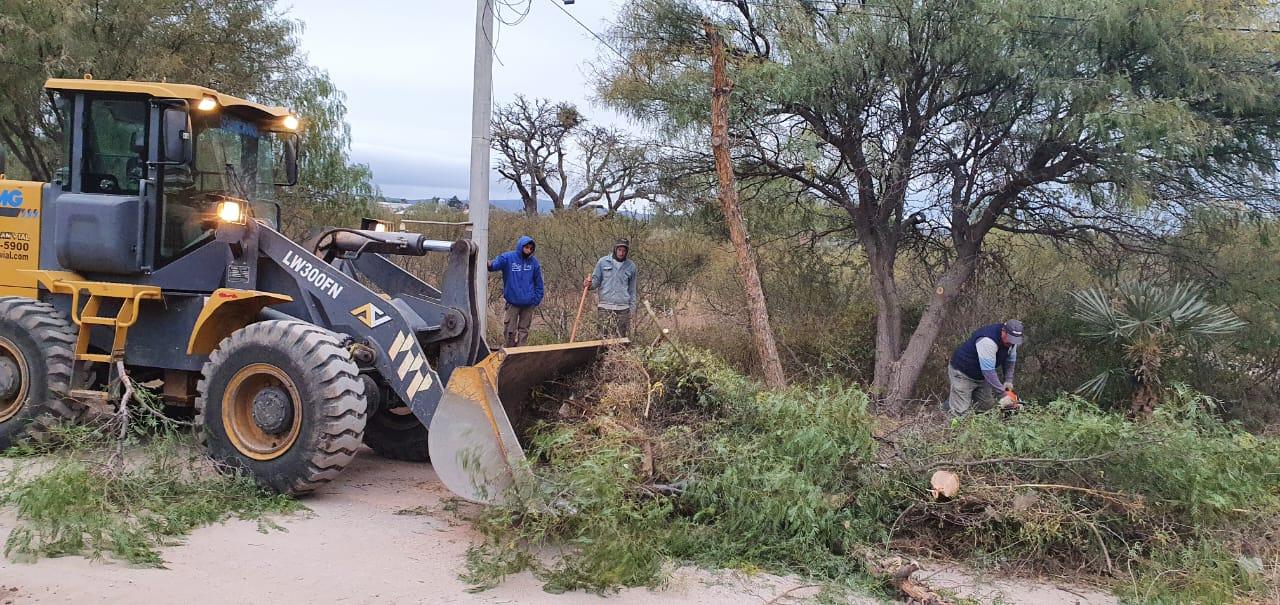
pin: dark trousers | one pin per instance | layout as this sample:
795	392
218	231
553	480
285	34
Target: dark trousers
515	324
614	323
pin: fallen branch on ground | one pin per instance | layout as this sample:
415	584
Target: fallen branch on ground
1116	497
897	572
1036	461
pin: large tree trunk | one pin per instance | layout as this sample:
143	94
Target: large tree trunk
530	197
766	346
884	289
907	366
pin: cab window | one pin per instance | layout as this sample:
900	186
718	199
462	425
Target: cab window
228	162
115	156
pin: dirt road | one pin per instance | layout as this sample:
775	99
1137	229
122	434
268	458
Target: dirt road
377	535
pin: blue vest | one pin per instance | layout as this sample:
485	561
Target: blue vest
965	358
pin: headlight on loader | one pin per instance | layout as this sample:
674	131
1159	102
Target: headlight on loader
231	212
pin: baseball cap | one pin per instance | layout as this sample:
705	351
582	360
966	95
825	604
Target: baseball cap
1013	329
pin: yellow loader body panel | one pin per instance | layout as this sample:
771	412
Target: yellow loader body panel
19	237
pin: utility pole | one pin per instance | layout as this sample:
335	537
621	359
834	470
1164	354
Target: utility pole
481	115
748	272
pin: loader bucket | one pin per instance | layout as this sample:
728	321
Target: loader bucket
472	438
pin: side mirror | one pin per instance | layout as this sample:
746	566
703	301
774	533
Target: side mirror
291	161
177	136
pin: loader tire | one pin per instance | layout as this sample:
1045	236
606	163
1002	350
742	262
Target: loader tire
397	434
36	358
281	401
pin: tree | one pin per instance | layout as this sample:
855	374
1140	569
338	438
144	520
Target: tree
331	190
547	149
245	48
616	168
929	124
533	138
1150	324
748	270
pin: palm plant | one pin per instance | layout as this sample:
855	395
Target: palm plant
1151	324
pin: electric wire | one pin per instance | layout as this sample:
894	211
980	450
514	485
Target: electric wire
587	29
493	42
521	10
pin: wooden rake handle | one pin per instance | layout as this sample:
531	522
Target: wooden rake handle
573	334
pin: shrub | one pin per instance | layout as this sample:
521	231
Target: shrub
1152	325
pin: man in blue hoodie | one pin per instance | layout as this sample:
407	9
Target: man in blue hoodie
521	287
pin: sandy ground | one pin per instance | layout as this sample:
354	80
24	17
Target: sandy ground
379	534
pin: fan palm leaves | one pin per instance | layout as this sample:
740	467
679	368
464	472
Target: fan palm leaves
1150	323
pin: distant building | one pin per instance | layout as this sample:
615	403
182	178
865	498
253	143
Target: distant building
396	207
400	205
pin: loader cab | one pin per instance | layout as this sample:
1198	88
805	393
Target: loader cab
146	165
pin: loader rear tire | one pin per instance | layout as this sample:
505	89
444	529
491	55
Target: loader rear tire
397	434
36	346
282	401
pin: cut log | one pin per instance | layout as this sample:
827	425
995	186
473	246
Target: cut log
945	484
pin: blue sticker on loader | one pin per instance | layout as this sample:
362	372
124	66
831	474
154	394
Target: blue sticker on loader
10	202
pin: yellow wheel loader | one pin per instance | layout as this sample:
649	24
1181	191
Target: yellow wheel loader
156	255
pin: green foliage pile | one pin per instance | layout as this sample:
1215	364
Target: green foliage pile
1176	506
761	479
721	473
79	493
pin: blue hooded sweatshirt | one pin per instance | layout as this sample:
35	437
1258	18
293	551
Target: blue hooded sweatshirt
521	275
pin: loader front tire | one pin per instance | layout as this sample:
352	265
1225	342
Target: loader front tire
282	401
36	346
397	434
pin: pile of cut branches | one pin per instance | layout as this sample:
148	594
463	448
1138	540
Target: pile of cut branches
1182	502
121	484
664	455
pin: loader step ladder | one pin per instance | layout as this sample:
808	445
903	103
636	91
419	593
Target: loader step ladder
129	295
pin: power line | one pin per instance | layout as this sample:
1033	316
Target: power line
589	30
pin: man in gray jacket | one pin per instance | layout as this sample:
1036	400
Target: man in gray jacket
615	278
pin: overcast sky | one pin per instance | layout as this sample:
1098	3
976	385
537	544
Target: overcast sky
406	68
